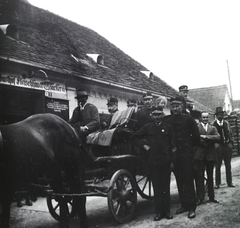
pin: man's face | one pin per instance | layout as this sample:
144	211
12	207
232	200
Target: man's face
112	108
183	94
219	116
82	100
204	118
157	117
176	108
162	103
148	101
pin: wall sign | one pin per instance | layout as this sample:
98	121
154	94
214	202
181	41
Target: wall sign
33	83
58	107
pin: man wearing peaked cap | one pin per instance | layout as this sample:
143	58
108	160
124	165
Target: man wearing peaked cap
158	138
85	118
183	88
112	104
188	104
187	136
224	148
131	103
147	95
144	114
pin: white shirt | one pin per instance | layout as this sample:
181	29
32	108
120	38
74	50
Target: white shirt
205	126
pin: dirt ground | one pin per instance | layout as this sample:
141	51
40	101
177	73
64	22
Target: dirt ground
226	214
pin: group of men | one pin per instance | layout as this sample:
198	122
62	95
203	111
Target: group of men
174	143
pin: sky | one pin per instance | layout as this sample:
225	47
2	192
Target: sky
184	42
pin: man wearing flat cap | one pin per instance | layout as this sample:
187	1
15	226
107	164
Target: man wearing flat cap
187	136
223	148
85	118
161	158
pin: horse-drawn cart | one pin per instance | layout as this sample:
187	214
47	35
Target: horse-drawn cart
45	144
118	174
116	177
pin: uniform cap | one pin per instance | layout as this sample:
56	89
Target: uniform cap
157	110
183	88
147	95
112	100
177	100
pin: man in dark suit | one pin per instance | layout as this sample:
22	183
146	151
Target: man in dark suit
223	148
85	118
187	136
143	116
161	158
205	157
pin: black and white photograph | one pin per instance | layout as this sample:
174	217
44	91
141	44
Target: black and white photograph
119	113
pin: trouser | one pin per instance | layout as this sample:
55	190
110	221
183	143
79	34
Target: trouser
160	175
200	166
224	153
184	176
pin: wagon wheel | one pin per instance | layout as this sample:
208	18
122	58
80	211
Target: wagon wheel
54	206
144	186
122	196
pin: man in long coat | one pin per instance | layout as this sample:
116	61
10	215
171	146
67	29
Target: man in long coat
161	158
223	148
187	136
85	118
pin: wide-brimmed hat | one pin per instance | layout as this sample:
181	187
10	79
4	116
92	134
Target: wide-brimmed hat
157	110
177	100
219	110
147	95
183	88
81	93
112	101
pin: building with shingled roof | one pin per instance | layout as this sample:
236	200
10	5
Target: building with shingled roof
212	97
44	58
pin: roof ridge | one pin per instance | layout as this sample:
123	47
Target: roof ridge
206	88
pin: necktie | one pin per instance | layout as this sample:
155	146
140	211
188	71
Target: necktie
205	126
221	124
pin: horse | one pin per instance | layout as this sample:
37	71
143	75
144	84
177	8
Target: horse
42	144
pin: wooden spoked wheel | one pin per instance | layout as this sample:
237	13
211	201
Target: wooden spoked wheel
122	196
54	206
144	186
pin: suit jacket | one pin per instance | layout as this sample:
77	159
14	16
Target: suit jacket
88	117
205	148
161	140
227	139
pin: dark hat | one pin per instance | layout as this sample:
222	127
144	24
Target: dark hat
219	110
81	93
112	101
131	102
177	100
147	95
183	88
157	110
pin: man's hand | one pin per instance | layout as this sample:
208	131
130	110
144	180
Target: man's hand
83	128
146	147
